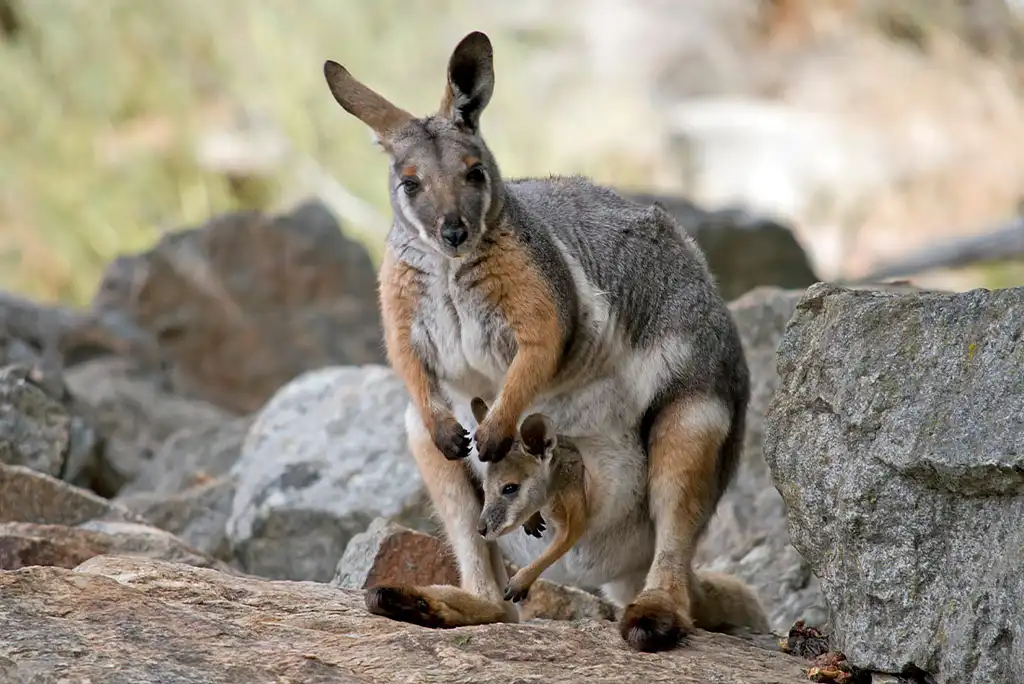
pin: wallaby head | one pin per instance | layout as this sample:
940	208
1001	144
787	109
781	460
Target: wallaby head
517	486
443	180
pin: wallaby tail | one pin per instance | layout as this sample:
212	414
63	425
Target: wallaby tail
439	606
722	603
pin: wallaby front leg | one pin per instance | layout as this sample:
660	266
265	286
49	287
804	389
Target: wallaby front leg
518	289
400	296
568	531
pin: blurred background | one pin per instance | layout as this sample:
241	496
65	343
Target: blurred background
873	128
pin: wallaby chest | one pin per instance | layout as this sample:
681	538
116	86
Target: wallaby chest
468	341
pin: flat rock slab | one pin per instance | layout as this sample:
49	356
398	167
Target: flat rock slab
30	496
126	620
896	439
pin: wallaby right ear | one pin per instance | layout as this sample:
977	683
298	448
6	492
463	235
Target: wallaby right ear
538	435
470	81
479	409
372	109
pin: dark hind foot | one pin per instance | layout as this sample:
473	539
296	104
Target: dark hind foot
404	604
652	623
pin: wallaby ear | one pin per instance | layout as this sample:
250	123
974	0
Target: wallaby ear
479	409
372	109
538	435
470	81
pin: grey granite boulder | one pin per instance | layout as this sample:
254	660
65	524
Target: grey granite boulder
324	458
896	439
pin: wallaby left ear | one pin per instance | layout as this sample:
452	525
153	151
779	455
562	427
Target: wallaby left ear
470	81
538	435
479	409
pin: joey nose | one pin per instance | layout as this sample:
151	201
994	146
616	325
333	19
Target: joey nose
482	528
453	232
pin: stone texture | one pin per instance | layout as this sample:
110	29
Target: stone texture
744	251
120	620
192	456
134	413
25	544
324	458
30	496
896	439
245	302
749	537
34	429
390	553
198	515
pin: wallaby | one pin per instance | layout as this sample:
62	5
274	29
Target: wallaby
558	296
539	481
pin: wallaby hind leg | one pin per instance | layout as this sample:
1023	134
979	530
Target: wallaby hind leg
479	600
683	451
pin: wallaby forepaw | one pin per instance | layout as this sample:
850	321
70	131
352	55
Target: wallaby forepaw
492	442
535	526
516	592
452	439
653	623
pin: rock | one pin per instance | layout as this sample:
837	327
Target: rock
34	429
25	544
134	414
743	251
389	553
117	619
192	456
29	496
895	439
244	303
324	458
749	536
198	515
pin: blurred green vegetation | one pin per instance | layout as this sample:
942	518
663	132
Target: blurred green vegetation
103	101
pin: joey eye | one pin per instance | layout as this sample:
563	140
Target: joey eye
509	489
476	175
410	184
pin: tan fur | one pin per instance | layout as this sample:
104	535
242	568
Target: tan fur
722	603
684	445
399	297
568	513
512	283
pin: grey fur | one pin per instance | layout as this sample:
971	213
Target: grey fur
644	327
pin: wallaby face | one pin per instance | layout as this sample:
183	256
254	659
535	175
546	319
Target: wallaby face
516	487
443	180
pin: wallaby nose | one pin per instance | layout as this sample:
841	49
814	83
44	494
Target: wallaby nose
453	232
482	528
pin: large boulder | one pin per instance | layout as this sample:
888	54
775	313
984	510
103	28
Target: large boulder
743	250
116	619
134	412
25	544
243	303
29	496
896	439
748	537
324	458
35	430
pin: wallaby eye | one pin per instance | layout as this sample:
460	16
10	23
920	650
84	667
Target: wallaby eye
476	175
410	184
509	489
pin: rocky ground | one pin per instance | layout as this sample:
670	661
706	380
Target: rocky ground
199	475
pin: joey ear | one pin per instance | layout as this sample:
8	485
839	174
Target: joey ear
538	435
479	409
470	81
363	103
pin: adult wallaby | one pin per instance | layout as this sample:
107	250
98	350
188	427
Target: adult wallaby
559	296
